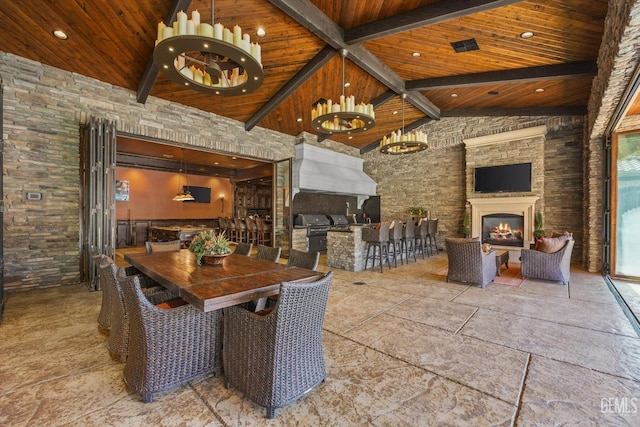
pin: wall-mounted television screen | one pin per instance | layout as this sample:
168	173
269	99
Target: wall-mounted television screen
200	194
504	178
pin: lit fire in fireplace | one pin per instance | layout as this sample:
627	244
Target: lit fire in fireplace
503	231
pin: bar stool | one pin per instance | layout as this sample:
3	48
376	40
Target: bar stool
241	230
378	239
421	236
431	235
409	240
395	240
232	229
252	230
264	232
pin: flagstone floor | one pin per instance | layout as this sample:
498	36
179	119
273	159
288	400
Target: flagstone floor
404	348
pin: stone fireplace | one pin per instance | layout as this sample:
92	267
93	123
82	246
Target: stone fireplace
517	212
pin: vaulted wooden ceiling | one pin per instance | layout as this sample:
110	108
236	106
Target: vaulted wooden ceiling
113	41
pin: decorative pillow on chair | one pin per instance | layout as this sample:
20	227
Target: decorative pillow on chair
550	245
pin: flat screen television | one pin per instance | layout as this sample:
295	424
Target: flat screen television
200	194
503	178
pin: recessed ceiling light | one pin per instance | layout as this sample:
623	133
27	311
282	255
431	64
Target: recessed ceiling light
168	156
347	84
233	158
299	119
539	90
260	32
59	34
350	137
493	92
527	35
395	112
454	95
415	54
216	163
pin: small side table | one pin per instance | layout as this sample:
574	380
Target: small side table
502	257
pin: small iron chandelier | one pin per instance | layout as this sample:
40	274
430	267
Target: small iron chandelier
404	143
184	195
344	117
208	57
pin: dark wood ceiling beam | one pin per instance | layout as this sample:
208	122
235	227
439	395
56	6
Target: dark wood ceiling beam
431	14
408	128
313	19
571	69
376	102
570	110
151	71
301	76
165	165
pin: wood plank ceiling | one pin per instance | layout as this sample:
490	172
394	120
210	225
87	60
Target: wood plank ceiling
113	41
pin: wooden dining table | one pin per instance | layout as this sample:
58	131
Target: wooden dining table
237	280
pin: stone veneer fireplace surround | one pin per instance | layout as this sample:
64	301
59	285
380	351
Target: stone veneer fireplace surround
525	145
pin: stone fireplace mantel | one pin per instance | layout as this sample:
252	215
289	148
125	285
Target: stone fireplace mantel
524	206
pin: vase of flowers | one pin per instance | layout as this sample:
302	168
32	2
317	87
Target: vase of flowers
210	247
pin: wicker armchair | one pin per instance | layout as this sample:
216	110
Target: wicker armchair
111	280
395	243
276	358
104	317
468	263
268	253
554	266
168	347
243	249
303	259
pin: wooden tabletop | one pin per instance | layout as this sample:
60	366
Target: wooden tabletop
238	280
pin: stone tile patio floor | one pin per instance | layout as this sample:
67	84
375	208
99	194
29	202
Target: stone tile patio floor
404	348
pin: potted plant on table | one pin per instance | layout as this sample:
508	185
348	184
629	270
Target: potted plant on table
210	247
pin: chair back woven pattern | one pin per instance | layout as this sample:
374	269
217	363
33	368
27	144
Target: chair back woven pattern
268	253
104	317
243	249
371	234
467	262
168	347
303	259
555	266
276	358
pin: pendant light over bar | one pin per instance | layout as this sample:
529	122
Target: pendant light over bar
208	57
344	117
184	195
404	143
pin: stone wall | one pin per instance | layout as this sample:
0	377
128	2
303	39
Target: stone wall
44	108
437	177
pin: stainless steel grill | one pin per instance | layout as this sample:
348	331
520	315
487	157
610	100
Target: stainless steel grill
317	228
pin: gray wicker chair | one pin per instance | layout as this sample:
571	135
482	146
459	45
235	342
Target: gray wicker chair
555	266
173	245
168	347
395	243
243	249
276	358
432	234
421	233
303	259
468	263
269	253
104	317
110	279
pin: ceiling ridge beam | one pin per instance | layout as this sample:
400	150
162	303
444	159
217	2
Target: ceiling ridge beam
313	19
431	14
310	68
408	128
151	70
543	72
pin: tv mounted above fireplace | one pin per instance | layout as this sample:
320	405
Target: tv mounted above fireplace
503	178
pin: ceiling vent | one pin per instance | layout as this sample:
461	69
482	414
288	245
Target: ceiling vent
465	45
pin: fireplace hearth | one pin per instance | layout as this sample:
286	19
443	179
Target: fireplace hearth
503	229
